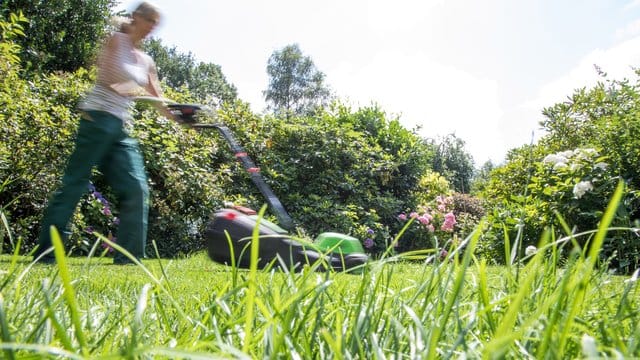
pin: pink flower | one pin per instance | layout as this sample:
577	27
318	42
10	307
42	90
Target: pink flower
431	228
413	215
402	216
447	227
442	208
450	217
423	220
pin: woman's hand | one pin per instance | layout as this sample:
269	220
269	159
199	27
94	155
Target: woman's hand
129	88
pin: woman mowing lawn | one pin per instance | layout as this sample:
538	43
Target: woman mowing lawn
124	71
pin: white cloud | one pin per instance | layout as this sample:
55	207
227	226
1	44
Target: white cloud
632	4
388	18
618	62
630	30
440	98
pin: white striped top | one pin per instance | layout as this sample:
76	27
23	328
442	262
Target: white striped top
125	65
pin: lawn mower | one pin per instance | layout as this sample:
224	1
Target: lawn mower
229	233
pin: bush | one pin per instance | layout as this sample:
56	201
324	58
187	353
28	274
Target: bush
570	188
337	179
340	170
525	194
36	136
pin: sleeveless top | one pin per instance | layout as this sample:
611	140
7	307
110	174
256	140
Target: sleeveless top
125	65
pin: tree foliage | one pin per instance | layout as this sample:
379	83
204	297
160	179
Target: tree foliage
295	85
481	177
205	81
61	35
454	162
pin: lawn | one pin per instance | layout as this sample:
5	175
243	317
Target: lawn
395	308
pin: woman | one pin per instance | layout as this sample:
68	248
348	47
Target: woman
124	71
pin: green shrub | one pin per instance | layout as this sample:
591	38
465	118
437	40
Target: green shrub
524	195
186	185
339	170
568	192
37	132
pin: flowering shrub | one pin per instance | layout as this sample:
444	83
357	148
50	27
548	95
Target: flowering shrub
433	225
374	235
577	186
96	216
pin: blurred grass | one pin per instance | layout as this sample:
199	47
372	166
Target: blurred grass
198	309
455	307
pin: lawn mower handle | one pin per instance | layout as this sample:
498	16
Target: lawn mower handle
187	113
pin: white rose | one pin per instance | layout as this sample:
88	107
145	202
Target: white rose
560	165
550	159
566	154
601	166
575	166
581	188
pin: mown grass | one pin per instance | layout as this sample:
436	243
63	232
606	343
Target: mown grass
192	308
195	308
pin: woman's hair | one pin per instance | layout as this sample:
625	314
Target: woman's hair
120	23
123	23
146	9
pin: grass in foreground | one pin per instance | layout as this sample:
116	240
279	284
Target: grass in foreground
193	308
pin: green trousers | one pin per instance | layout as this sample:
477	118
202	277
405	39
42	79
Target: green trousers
103	142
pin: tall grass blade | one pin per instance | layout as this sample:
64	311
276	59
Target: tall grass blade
590	262
69	292
505	334
453	296
4	327
252	283
5	231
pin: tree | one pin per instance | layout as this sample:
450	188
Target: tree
205	81
295	85
482	177
454	163
61	35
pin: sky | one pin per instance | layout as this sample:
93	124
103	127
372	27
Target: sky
480	69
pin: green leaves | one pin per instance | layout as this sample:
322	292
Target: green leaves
295	85
61	35
205	81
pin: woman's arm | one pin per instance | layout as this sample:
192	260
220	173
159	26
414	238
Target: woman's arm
154	89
